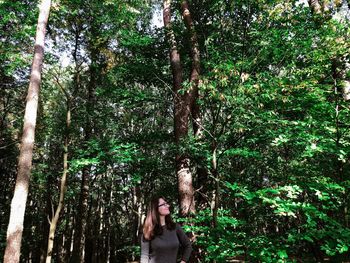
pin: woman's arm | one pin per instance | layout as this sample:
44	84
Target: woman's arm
185	243
145	250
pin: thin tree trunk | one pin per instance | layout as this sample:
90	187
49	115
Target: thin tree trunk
53	223
48	209
109	229
68	242
69	229
136	215
60	248
79	237
18	205
182	109
96	232
215	173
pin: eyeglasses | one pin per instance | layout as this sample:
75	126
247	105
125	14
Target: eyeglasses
164	204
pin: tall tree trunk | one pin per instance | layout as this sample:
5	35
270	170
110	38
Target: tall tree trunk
108	229
70	230
18	205
69	233
195	70
195	54
182	109
202	172
45	228
81	222
341	85
54	220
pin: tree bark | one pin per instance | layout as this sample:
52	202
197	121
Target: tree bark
315	6
346	89
195	70
18	205
215	173
79	237
202	172
79	234
182	110
69	233
195	54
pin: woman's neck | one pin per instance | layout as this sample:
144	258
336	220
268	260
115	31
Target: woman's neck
162	220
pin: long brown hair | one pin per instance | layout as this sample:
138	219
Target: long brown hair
152	227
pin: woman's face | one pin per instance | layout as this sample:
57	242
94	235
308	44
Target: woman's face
163	207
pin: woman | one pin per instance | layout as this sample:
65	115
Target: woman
162	237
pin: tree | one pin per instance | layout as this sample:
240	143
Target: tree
18	204
63	187
184	104
273	127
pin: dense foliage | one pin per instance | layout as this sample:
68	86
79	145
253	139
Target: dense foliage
275	122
